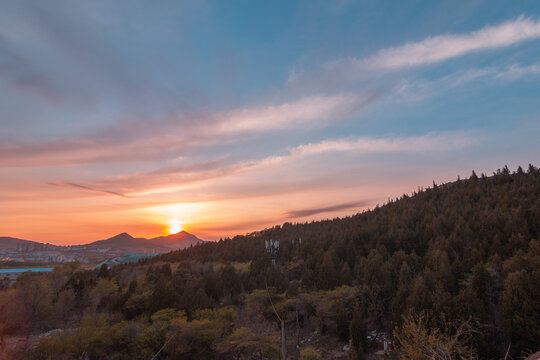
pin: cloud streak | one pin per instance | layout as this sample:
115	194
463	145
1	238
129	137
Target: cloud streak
413	90
440	48
287	115
174	178
325	209
87	188
429	142
349	72
140	140
515	71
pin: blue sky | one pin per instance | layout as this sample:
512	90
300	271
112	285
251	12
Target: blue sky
230	116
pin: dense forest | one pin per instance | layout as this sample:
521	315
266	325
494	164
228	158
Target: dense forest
449	272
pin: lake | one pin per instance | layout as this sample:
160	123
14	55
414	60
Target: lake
22	270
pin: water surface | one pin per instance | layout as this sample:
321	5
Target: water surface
22	270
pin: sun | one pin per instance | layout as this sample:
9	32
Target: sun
175	228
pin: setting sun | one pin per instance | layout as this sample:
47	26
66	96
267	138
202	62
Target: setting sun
175	228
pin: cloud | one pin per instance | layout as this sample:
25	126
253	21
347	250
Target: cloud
444	47
429	142
325	209
150	139
414	90
515	71
349	72
292	114
175	178
87	188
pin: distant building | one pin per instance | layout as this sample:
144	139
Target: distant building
272	248
271	244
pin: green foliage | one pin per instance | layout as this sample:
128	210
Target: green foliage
103	294
309	354
166	315
257	301
243	343
194	339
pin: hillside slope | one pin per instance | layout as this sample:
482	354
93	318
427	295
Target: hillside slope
11	243
452	270
469	249
121	241
471	219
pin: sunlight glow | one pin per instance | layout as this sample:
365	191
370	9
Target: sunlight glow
175	228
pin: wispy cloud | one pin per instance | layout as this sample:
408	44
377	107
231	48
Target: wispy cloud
140	140
348	72
444	47
305	110
515	71
174	178
87	188
325	209
429	142
363	145
419	89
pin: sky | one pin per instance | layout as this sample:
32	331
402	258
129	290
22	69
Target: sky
226	117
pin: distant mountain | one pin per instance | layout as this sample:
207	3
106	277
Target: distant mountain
119	244
126	243
179	240
11	243
121	240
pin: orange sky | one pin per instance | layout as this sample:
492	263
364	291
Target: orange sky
234	204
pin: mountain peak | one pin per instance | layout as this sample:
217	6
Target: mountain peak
180	239
121	236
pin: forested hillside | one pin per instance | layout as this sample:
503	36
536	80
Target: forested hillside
453	270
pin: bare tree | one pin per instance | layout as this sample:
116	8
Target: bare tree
416	340
283	343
